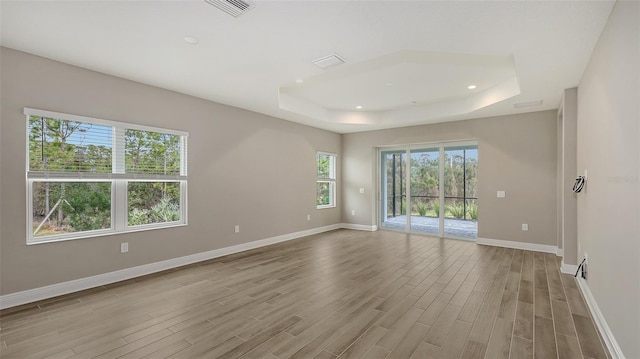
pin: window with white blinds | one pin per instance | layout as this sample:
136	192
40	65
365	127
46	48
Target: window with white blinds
89	177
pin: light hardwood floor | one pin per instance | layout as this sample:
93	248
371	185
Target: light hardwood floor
340	294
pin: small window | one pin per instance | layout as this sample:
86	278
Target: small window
326	180
89	177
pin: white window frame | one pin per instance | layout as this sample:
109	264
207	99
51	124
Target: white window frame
333	159
118	179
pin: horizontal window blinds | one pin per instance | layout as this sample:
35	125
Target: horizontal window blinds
60	147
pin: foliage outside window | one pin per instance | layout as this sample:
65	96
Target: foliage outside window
326	180
91	177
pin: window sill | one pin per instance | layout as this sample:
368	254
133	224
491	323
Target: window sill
325	207
101	233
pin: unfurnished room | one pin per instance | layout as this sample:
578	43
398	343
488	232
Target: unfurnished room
320	179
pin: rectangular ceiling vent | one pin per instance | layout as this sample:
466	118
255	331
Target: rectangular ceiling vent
234	8
528	104
328	61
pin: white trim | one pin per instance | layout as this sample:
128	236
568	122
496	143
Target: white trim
54	290
601	323
518	245
560	252
568	268
359	227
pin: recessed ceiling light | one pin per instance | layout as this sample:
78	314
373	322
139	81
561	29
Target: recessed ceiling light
299	81
471	87
389	84
191	40
359	107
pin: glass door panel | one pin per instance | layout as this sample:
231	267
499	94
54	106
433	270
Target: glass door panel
394	190
425	191
460	191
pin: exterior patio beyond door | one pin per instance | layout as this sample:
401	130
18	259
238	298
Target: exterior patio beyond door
430	189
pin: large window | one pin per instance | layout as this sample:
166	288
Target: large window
326	180
89	177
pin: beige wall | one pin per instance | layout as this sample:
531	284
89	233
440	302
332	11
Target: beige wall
244	168
608	147
516	153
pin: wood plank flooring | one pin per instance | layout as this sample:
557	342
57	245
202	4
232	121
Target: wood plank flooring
340	294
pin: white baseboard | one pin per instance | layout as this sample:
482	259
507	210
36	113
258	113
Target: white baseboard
54	290
518	245
568	268
601	323
359	227
560	252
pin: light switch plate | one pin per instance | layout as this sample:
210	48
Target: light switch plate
361	189
501	194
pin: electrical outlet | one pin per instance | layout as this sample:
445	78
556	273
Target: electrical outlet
525	227
501	194
361	190
236	229
353	212
308	217
124	247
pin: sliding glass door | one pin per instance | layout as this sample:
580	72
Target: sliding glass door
394	189
460	191
430	189
425	191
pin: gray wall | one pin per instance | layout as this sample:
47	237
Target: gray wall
244	168
567	217
608	147
516	153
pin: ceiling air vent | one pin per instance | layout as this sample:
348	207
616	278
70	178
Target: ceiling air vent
328	61
528	104
234	8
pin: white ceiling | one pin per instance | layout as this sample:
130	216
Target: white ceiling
396	52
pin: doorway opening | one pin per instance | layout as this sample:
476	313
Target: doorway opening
430	189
